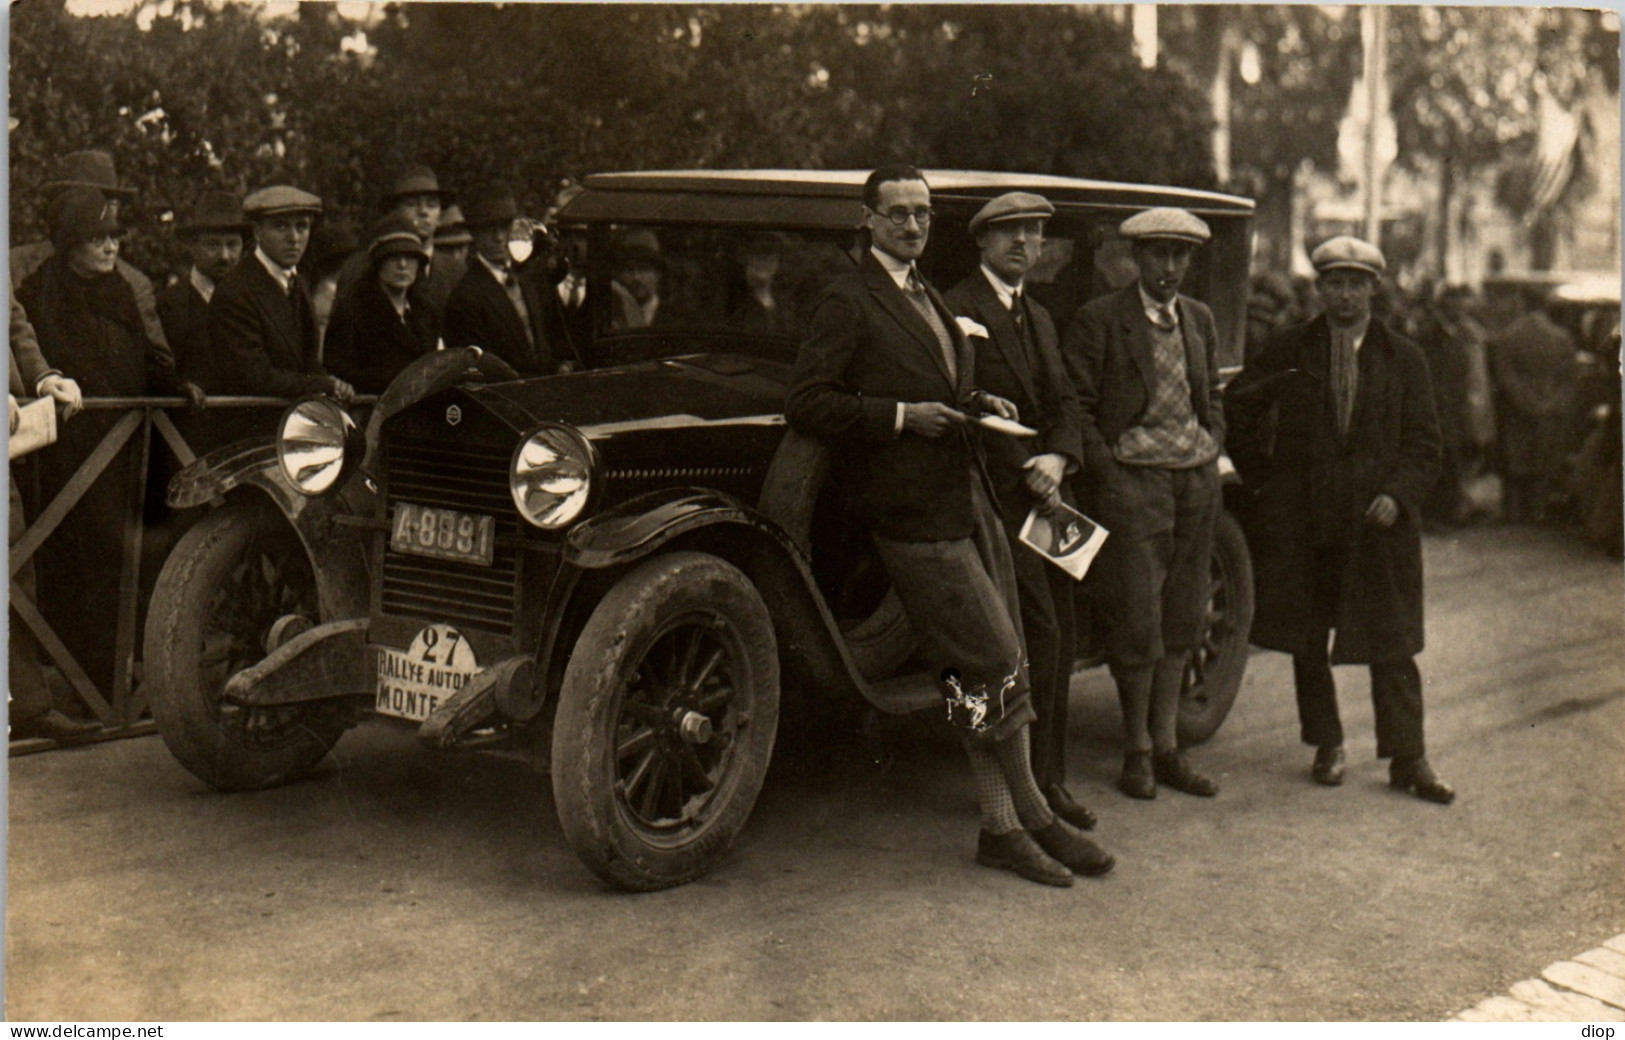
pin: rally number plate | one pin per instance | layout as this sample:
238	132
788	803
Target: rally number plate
413	683
444	534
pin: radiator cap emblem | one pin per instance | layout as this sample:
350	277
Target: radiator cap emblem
454	415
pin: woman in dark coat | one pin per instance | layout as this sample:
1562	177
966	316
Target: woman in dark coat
383	324
87	322
1338	480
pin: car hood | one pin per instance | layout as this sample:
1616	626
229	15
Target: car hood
696	391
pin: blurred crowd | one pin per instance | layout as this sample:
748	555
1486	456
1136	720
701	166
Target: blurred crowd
1526	381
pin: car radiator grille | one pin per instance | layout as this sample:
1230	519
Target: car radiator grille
469	479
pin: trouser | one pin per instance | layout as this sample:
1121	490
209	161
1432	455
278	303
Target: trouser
1048	622
1396	685
30	693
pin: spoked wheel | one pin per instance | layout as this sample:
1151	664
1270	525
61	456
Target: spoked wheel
236	577
666	721
1213	672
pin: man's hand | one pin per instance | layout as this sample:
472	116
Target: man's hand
1004	409
1383	511
1044	475
931	419
194	396
339	389
16	413
65	392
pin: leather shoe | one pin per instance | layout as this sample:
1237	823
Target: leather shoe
1328	767
1018	851
53	725
1077	853
1172	768
1415	776
1137	779
1067	808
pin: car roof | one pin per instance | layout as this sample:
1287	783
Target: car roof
831	198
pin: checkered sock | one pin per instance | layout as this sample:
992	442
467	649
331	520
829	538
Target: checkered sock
998	811
1015	761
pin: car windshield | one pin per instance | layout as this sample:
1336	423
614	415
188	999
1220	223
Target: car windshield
673	282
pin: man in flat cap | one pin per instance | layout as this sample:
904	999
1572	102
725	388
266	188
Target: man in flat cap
262	325
1019	359
213	234
497	309
885	375
1334	426
1143	362
91	169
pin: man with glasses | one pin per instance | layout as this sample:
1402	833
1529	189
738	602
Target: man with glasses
887	377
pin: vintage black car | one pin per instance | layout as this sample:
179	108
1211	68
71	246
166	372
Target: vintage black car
616	573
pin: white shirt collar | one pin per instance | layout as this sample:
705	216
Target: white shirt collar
1003	289
202	283
898	269
284	275
1154	307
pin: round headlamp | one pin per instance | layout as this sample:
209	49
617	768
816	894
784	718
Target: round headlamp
550	476
317	443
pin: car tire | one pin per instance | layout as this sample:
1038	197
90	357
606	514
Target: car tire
1213	673
224	585
880	643
666	721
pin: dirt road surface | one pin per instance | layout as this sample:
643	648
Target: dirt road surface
397	885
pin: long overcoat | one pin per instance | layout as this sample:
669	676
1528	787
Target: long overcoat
1310	487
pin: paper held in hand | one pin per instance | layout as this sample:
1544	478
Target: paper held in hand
36	427
1064	537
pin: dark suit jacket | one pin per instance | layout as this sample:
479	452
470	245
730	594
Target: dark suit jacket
263	341
368	343
185	315
867	348
1039	388
1107	350
1311	487
480	314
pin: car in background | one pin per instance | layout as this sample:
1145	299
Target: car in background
616	574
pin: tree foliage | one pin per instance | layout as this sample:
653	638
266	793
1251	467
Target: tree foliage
191	94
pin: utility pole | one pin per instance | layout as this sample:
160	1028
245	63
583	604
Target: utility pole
1374	37
1144	18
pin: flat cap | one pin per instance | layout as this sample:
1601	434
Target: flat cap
1348	251
279	200
1012	205
1166	222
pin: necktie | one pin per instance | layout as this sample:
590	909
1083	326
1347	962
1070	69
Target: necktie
1345	374
1018	312
1165	318
915	289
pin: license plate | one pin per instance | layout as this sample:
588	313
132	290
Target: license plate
444	534
414	682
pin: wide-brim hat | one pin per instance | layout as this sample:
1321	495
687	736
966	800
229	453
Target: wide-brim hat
217	211
418	180
281	200
452	229
395	236
1349	253
492	207
1012	205
1166	222
330	241
88	169
79	215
